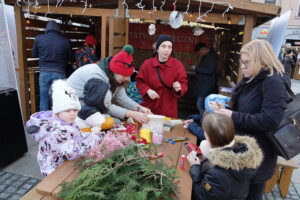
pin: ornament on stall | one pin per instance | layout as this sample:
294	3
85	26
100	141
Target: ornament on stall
198	31
187	8
176	19
153	7
151	29
162	5
140	5
85	4
127	16
199	18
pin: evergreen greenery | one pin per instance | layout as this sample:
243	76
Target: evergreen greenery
127	175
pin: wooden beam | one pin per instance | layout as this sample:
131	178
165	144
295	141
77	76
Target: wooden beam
23	76
111	36
249	23
127	32
258	8
64	10
165	15
103	36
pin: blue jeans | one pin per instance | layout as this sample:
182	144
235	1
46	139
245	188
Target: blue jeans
200	105
45	81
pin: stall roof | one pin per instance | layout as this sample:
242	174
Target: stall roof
262	12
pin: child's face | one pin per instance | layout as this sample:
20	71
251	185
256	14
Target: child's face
68	116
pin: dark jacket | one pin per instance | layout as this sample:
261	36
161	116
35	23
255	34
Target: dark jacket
258	109
94	93
53	50
205	75
195	126
227	173
288	63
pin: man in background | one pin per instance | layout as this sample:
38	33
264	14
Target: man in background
205	74
54	51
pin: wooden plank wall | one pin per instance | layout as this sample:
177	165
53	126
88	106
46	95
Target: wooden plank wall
230	46
118	34
33	27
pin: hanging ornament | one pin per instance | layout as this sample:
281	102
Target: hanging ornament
198	31
199	18
176	19
140	5
151	29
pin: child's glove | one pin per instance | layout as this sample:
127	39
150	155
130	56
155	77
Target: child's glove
219	99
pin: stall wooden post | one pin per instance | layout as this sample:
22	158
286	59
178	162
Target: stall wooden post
103	36
249	24
23	72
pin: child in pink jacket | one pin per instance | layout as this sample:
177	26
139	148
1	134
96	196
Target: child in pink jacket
58	136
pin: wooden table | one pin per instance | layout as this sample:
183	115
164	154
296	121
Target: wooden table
49	187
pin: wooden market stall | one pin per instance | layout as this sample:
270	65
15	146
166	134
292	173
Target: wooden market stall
230	21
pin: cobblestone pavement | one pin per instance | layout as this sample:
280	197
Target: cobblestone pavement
14	186
275	194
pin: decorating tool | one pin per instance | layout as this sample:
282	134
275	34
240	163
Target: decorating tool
173	140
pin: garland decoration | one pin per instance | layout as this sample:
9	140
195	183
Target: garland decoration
127	174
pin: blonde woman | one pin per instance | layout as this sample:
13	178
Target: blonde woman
258	104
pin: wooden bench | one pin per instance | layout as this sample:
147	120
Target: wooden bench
282	175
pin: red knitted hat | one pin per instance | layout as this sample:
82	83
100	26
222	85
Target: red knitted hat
91	40
122	62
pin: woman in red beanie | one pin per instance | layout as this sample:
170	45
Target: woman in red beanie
114	71
162	79
87	53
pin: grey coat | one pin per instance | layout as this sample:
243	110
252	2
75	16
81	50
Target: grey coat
80	77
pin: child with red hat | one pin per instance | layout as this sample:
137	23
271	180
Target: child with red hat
114	71
87	53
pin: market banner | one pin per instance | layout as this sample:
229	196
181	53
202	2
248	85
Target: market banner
184	40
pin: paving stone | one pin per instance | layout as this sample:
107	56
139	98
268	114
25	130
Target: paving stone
14	197
33	181
15	177
27	186
7	175
11	189
4	195
2	187
18	184
14	186
8	181
21	191
24	178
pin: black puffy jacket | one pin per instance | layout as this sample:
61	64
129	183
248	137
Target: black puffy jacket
226	174
53	50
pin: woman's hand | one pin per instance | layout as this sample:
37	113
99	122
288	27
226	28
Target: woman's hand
193	159
225	112
138	116
215	106
152	94
187	122
144	110
177	86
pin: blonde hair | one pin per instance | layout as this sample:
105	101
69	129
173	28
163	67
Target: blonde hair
261	53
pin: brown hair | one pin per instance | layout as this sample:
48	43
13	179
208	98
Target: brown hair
219	129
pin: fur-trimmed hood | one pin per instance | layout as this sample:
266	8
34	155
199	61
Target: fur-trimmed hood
244	154
241	160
